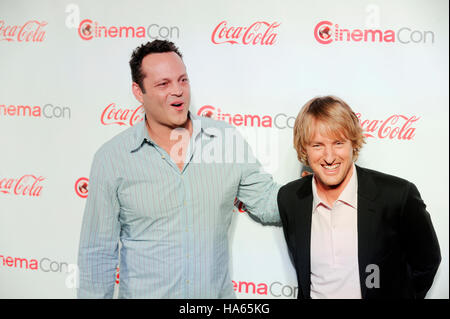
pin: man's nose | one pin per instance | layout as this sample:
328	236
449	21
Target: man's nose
329	154
177	90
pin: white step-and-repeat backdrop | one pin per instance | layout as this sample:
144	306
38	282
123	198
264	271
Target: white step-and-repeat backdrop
65	89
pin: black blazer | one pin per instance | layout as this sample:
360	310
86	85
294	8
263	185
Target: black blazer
394	232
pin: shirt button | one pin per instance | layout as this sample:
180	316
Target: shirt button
187	281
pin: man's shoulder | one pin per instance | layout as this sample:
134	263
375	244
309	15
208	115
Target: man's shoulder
381	178
376	184
208	122
124	141
297	185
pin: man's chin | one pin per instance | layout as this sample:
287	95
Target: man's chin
330	183
181	122
333	186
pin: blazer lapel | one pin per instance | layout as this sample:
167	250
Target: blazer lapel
303	230
366	236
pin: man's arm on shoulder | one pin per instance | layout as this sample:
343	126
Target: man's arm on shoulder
258	192
100	231
422	247
257	189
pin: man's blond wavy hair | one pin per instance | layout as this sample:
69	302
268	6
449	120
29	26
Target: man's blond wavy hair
339	119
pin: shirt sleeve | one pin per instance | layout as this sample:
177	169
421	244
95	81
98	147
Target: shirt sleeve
100	232
257	190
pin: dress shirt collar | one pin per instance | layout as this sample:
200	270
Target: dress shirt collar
348	196
141	133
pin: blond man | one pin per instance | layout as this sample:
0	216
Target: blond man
352	232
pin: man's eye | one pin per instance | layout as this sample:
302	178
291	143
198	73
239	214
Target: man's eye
185	80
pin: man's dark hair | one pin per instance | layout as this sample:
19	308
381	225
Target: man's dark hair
156	46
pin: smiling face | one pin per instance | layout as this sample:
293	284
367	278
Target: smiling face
330	157
167	95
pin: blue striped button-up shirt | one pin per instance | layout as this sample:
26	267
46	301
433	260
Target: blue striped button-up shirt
172	224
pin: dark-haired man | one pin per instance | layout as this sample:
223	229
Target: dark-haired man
165	189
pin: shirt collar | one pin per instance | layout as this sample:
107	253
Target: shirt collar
199	125
349	195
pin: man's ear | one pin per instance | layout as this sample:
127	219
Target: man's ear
138	94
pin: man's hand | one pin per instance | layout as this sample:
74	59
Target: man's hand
306	173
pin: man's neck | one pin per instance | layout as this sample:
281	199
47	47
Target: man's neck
174	142
163	134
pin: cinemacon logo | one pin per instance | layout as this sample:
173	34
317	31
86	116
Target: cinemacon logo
326	32
275	289
45	264
241	208
27	185
48	111
30	31
258	33
280	120
88	30
81	187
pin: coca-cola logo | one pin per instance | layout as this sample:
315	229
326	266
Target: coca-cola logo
396	126
258	33
81	187
113	114
27	185
30	31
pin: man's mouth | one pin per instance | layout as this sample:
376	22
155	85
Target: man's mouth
177	104
331	167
